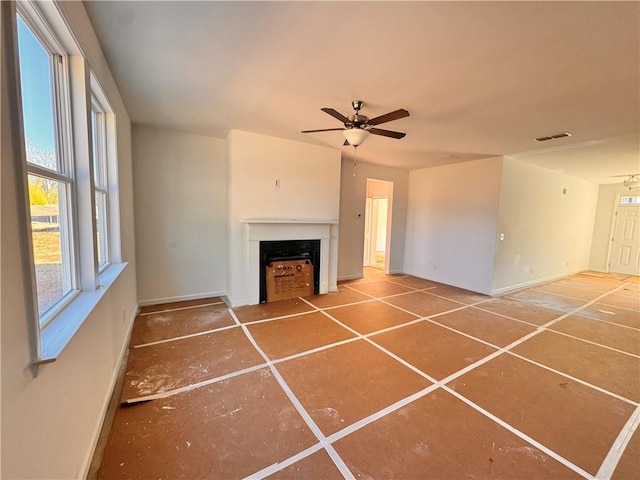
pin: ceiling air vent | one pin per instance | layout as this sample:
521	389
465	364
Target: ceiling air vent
553	137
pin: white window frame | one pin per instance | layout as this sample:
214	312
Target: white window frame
64	174
101	180
50	337
110	151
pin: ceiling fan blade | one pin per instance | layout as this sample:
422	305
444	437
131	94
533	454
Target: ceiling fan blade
335	114
387	133
322	130
388	117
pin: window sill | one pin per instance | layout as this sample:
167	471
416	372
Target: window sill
59	332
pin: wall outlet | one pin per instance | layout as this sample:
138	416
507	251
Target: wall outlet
124	316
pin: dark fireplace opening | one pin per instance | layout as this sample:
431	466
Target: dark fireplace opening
283	250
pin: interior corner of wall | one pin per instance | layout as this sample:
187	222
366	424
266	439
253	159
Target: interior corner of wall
235	303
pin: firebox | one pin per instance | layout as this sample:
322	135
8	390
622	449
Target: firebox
306	251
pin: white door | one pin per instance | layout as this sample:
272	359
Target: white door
625	246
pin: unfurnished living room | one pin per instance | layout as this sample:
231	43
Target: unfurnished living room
320	240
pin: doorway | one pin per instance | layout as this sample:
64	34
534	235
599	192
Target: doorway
377	231
624	254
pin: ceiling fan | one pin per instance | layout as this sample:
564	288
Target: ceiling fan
358	127
632	180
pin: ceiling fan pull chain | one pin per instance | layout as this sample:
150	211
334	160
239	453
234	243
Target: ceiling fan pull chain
355	159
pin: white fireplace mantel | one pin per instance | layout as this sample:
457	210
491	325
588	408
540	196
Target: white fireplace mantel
269	229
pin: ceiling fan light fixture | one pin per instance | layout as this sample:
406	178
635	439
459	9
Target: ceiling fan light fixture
632	182
356	136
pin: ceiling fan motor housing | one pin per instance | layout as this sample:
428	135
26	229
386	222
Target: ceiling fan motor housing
356	121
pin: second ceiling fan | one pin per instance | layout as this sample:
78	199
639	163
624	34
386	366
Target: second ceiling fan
358	127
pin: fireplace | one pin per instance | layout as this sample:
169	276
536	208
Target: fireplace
287	250
245	282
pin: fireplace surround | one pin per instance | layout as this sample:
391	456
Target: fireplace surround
264	230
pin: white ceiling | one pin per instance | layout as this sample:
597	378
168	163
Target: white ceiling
479	78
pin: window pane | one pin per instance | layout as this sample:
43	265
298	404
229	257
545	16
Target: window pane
37	99
101	226
98	129
49	221
94	146
99	134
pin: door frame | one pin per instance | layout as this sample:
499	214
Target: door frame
389	196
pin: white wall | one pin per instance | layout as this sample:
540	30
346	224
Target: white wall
309	188
50	423
602	227
180	212
380	211
547	233
377	188
352	211
451	223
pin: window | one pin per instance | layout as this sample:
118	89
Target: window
71	211
630	200
43	79
99	147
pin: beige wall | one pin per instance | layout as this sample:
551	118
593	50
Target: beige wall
352	210
50	423
180	212
451	223
309	188
457	214
547	233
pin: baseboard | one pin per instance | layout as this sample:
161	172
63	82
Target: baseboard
349	277
445	281
599	270
226	298
181	298
107	401
419	275
520	286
